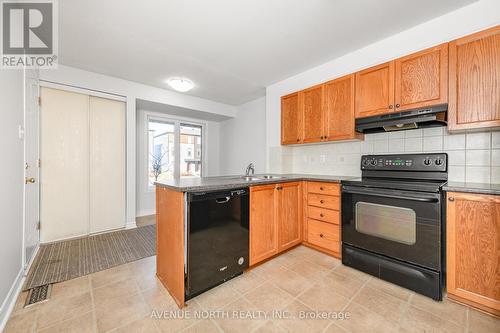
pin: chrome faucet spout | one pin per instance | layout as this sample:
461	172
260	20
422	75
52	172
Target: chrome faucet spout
250	167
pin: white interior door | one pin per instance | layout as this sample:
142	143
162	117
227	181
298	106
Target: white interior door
31	174
107	164
65	165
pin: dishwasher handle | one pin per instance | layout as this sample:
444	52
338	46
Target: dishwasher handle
222	200
220	197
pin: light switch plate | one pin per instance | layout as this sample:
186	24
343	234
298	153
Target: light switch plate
21	132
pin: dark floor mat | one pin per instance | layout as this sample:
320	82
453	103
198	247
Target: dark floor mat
70	259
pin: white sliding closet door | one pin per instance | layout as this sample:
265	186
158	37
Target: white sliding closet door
82	164
107	164
64	154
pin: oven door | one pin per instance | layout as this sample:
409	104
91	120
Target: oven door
405	225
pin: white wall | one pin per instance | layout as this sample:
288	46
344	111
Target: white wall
243	139
11	189
145	196
475	17
132	91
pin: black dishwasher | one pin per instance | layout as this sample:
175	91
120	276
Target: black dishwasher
217	238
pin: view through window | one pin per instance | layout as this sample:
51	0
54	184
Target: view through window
174	149
161	150
190	149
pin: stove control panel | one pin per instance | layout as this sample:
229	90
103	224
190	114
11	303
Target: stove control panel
410	162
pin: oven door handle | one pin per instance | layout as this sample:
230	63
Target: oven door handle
394	195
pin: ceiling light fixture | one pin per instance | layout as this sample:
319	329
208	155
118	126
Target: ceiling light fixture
180	84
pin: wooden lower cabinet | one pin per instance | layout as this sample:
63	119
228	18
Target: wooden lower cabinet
322	217
289	215
275	219
263	226
170	241
473	250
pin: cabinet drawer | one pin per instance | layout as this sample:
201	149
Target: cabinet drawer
323	188
323	201
323	234
322	214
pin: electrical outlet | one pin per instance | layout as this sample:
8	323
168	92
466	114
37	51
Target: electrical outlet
322	159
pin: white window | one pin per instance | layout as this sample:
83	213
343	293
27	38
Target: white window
175	149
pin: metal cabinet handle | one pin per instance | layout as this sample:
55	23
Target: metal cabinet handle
390	106
321	215
321	188
397	105
298	140
321	235
321	201
451	199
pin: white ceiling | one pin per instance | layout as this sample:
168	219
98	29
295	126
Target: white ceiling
230	49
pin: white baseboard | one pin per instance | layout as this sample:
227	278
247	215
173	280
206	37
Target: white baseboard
10	301
131	225
146	212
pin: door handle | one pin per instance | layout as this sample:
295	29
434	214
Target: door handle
29	180
222	200
401	196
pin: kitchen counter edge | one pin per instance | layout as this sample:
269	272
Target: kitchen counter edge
230	182
479	188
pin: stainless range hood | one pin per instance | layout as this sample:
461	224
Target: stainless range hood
418	118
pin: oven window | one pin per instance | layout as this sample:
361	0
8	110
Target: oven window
393	223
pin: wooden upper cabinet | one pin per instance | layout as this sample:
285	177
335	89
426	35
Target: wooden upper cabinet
311	101
375	90
289	215
291	117
474	85
422	79
263	223
473	250
339	109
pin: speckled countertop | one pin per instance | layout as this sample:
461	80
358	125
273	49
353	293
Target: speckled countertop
230	182
483	188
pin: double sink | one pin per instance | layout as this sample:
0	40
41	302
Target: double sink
258	177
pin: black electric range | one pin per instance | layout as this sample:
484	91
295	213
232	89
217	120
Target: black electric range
392	220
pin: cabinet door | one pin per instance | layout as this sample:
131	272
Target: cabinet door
289	215
291	119
422	79
473	250
339	109
263	223
311	101
375	90
474	85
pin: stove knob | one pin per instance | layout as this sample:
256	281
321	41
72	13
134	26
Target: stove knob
438	162
366	162
427	161
373	162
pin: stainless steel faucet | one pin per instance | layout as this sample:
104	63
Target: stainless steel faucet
250	167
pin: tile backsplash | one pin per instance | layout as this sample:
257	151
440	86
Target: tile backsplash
473	156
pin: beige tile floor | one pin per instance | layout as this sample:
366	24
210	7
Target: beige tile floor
129	298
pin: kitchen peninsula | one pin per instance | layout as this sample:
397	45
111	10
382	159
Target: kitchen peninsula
279	205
